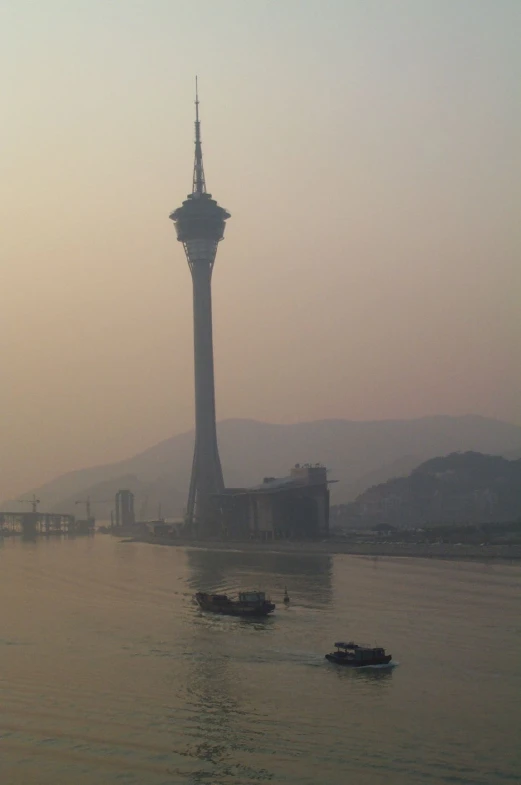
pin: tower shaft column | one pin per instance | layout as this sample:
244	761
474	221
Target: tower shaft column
199	224
207	477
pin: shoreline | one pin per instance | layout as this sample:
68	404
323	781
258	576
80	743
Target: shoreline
445	551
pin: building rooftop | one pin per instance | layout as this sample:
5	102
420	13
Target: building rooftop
301	476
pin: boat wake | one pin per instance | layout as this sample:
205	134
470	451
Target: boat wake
384	666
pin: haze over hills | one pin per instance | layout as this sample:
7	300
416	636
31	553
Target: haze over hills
460	488
358	455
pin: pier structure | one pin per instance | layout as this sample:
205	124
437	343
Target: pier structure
200	224
45	524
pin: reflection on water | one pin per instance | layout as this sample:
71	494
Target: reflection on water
305	575
209	693
28	537
369	674
111	674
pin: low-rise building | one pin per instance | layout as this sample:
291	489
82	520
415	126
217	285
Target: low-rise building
291	507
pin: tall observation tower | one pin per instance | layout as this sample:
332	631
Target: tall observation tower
199	224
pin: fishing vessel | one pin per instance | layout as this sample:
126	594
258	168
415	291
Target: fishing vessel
249	603
355	656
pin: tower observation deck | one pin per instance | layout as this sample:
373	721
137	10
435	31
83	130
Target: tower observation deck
199	224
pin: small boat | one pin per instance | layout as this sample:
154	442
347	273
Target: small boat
250	603
355	656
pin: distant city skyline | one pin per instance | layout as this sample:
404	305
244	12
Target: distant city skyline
369	154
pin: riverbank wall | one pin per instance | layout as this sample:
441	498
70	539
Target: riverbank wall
416	550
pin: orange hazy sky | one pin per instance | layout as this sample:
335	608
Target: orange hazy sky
369	153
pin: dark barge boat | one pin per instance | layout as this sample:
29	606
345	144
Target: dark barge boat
355	656
250	603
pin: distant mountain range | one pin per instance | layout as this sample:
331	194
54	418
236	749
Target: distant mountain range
357	454
460	488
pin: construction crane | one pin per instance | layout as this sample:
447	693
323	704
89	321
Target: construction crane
34	501
87	502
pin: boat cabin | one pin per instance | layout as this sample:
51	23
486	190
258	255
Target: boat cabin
359	653
252	597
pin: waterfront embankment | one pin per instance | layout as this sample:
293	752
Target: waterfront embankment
418	550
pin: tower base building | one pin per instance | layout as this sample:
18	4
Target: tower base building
280	508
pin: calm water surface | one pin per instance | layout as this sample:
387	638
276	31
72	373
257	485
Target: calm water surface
110	674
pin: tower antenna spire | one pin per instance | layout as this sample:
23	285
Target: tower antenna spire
199	185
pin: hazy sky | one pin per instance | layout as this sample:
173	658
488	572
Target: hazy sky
369	153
